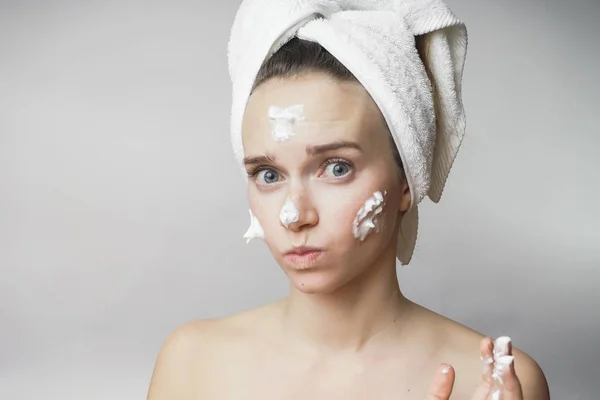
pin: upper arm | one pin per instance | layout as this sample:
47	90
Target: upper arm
531	376
176	368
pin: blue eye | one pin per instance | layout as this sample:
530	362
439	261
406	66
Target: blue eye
337	169
267	176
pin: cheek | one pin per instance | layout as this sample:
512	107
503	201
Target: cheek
339	212
266	207
340	216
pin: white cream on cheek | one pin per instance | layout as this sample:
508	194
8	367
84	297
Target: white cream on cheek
368	216
255	231
283	121
289	213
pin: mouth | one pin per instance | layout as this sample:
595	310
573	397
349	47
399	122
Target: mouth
303	257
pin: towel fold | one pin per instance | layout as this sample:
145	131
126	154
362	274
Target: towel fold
419	95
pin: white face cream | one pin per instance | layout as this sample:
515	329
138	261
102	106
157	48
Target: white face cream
289	213
501	346
255	231
283	121
502	364
367	217
487	363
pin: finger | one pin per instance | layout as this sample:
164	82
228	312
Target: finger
502	346
486	355
442	383
506	382
510	384
486	349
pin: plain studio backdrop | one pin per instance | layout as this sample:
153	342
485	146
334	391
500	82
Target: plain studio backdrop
122	210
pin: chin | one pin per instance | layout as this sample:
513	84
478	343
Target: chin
326	273
316	281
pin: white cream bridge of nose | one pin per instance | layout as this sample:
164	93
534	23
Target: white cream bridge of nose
289	213
283	121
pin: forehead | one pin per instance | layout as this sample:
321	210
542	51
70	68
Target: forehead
333	111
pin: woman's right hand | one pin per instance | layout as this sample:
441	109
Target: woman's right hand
499	380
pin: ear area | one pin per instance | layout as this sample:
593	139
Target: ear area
405	194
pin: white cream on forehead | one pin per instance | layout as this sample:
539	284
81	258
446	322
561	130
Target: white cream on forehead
289	213
284	119
368	216
255	231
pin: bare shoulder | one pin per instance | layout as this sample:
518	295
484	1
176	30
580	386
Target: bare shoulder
193	353
461	349
180	357
533	380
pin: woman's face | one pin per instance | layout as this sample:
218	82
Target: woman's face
321	168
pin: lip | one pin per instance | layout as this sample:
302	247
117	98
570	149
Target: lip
303	250
303	257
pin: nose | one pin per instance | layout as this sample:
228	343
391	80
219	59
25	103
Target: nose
298	212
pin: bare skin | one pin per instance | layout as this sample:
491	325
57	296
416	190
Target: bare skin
345	331
246	356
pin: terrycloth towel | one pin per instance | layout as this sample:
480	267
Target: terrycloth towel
375	40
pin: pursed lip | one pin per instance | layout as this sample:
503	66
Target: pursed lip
303	250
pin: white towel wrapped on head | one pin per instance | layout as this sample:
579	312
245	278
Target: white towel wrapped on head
375	40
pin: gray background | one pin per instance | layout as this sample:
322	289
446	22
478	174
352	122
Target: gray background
122	211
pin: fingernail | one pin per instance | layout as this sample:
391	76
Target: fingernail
501	346
445	369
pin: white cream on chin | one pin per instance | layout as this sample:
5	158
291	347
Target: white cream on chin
289	213
367	217
283	120
255	231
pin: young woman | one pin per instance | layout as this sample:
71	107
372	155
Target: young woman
328	191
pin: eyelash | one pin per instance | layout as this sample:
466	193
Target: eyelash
337	161
255	170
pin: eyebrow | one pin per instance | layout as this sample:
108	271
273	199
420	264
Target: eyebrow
259	160
311	150
314	150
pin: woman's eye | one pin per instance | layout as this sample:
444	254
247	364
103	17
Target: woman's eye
267	176
337	169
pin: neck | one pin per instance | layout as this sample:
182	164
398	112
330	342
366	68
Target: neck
351	316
